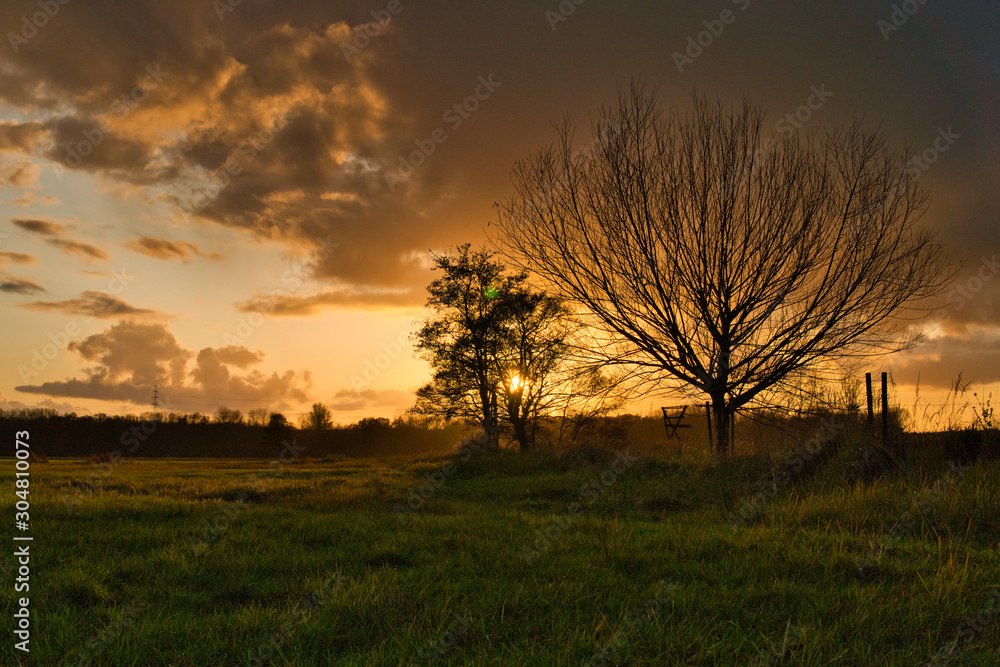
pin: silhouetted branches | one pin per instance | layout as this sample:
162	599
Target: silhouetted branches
699	256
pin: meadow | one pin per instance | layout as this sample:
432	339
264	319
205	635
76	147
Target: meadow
596	556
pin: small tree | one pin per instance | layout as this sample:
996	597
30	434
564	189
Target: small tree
257	417
277	420
226	415
278	429
531	364
493	344
318	418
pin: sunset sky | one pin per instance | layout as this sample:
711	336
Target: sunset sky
236	201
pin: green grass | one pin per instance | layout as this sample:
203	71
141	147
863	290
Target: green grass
209	563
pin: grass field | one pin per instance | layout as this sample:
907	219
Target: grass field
505	559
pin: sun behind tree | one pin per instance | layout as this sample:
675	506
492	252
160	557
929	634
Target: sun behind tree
495	346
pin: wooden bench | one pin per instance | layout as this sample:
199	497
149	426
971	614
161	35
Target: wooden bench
673	420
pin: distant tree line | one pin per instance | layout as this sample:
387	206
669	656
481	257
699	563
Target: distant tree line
194	435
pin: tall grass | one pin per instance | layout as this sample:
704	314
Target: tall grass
317	567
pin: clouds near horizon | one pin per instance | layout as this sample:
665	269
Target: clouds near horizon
128	359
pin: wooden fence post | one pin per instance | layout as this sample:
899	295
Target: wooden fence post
871	413
708	416
885	409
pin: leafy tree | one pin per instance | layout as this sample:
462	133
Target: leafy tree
373	423
278	429
276	420
318	418
722	261
493	344
532	363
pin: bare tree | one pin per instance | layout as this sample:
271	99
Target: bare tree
257	417
719	260
226	415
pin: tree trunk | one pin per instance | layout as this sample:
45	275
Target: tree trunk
723	436
492	421
521	435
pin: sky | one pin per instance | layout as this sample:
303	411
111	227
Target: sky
237	201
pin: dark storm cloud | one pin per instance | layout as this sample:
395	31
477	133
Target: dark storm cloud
167	250
92	304
939	361
259	122
973	301
13	285
82	142
131	357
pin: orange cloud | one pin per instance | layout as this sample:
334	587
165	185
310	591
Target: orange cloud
131	357
16	258
13	285
38	226
167	250
92	304
301	306
78	248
